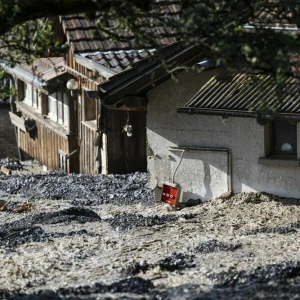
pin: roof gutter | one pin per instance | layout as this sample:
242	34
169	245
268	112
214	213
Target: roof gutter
141	81
94	66
26	77
147	79
237	113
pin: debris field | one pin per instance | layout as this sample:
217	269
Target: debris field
104	237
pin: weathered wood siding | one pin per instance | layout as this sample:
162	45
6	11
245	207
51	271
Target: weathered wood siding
120	153
86	133
88	152
44	145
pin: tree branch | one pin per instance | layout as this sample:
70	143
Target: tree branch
14	12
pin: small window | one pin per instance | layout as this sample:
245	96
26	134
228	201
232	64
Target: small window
28	89
90	105
283	138
58	108
62	161
36	98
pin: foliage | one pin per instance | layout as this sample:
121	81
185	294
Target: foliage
214	25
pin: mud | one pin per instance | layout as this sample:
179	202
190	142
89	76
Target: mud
215	246
11	164
80	189
127	221
286	272
24	230
179	261
175	262
131	286
103	237
290	228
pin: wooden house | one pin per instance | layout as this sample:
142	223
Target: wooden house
215	132
74	130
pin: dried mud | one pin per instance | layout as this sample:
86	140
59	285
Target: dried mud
103	237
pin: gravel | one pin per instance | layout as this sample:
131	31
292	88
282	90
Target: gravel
284	271
104	237
11	164
80	189
215	246
127	221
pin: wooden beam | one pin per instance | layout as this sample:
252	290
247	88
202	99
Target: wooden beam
5	170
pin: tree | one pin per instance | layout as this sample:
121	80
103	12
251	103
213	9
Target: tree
217	26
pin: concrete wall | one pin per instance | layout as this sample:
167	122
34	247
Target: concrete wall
200	174
8	144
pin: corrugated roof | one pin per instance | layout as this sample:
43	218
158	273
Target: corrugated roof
84	36
245	94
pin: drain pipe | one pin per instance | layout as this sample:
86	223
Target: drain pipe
210	149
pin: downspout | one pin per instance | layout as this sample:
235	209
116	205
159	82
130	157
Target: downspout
99	139
209	149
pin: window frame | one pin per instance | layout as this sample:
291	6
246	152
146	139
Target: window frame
275	158
90	108
62	161
58	108
270	140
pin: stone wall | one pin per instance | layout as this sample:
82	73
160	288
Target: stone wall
8	144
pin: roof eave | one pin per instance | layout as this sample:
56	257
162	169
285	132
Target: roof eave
239	113
158	69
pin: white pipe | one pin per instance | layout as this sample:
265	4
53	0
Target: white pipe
210	149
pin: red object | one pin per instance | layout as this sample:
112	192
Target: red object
169	193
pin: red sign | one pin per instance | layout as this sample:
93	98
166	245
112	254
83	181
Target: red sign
169	194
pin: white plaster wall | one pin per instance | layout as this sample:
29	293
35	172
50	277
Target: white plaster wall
204	175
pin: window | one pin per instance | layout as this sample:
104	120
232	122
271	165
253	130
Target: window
36	99
52	107
283	138
32	96
90	108
62	161
28	89
280	144
58	108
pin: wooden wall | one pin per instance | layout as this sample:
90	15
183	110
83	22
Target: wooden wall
44	145
88	152
122	154
126	154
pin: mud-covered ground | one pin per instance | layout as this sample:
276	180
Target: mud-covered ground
103	237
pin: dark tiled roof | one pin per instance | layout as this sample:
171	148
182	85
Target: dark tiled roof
253	94
118	60
273	16
84	36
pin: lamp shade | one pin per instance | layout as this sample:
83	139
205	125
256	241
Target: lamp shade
72	85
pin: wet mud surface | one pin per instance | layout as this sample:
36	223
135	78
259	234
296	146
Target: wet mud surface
290	228
180	261
81	189
215	246
125	221
103	237
25	230
133	285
